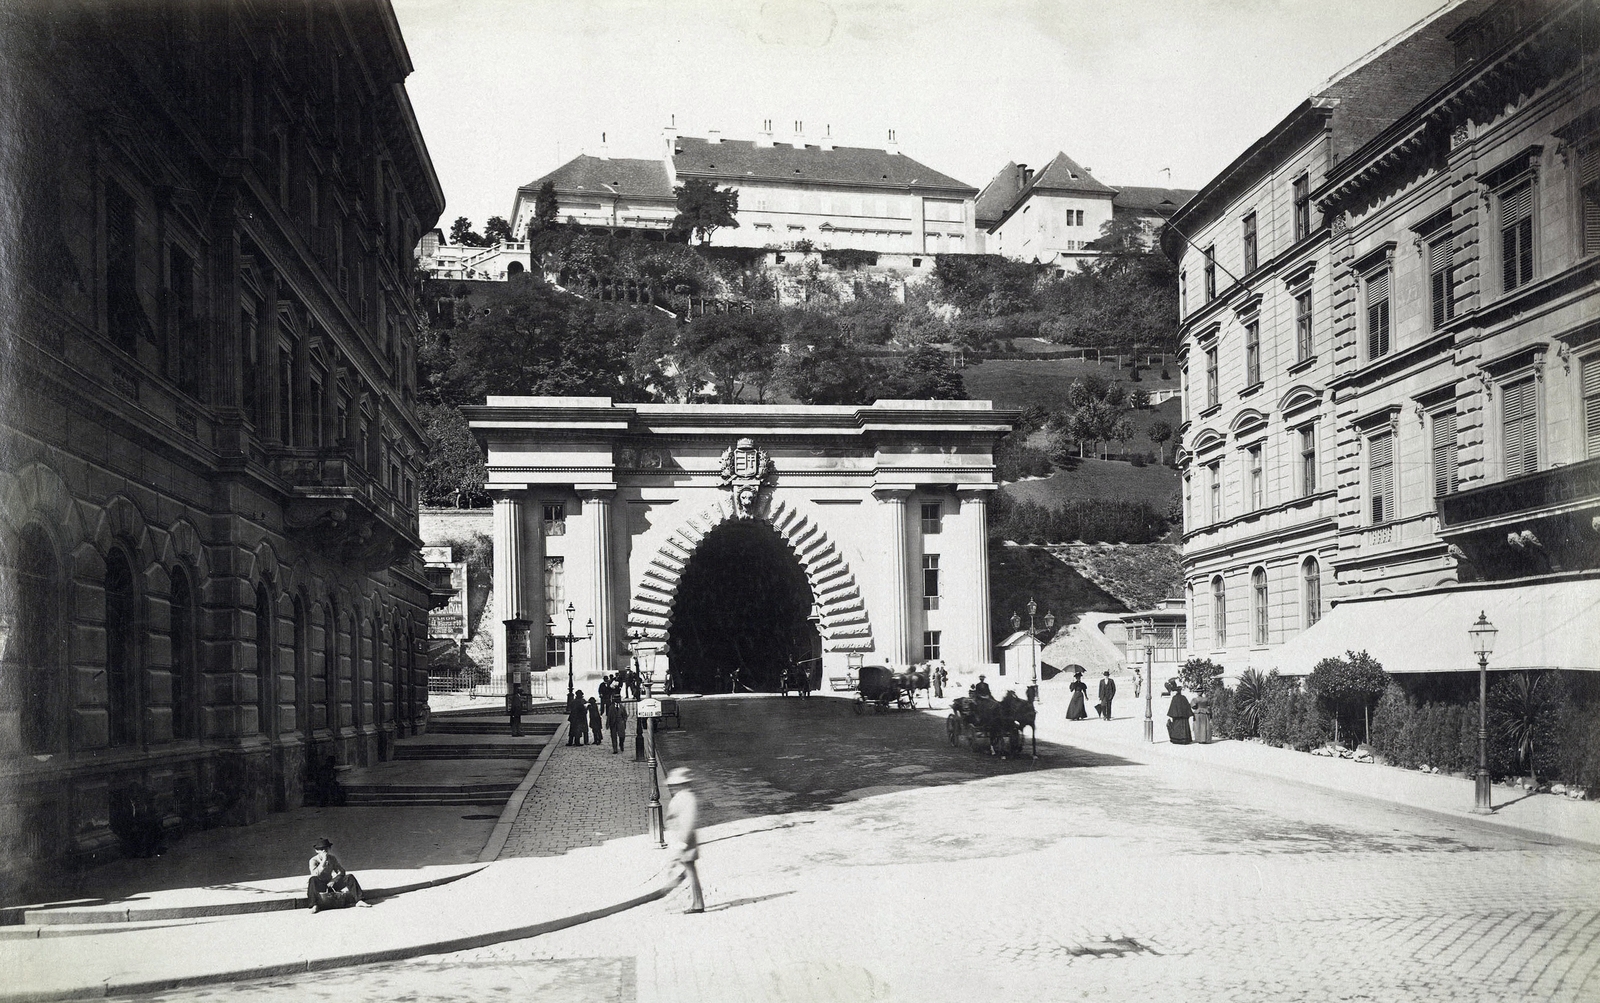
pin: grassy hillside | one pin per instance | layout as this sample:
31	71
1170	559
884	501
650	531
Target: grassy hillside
1019	383
1017	574
1102	479
1140	575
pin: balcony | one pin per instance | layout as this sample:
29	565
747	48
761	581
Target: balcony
1540	522
339	508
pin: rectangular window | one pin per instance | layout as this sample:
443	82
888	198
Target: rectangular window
1521	425
1213	392
931	649
555	519
930	581
1302	207
1439	286
1252	353
1378	315
555	587
1211	273
1258	479
1250	254
316	414
252	363
286	396
555	652
1215	475
1308	461
1183	293
932	518
1516	236
1302	326
122	297
1591	406
1444	452
1589	197
184	333
1380	467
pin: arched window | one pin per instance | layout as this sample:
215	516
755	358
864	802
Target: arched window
185	685
266	672
1219	613
1258	604
333	687
122	650
1311	572
31	582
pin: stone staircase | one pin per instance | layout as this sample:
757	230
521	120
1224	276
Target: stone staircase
465	759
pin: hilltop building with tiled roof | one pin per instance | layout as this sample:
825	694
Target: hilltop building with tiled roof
1054	216
833	197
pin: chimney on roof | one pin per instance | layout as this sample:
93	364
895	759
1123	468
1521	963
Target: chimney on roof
605	151
764	137
669	136
713	136
1024	176
827	137
894	144
799	134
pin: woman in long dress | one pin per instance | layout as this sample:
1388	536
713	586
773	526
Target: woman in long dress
1178	714
1075	711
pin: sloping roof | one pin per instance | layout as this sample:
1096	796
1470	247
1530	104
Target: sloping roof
737	159
591	175
1156	201
998	195
1062	173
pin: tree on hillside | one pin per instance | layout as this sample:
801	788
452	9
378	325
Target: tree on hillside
734	353
926	373
703	208
461	232
496	229
525	337
821	365
546	208
453	472
1093	413
1159	432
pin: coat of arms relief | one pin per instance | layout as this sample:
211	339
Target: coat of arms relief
744	472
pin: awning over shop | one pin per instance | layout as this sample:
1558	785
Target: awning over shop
1547	624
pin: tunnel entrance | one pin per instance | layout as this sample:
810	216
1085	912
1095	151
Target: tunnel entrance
740	619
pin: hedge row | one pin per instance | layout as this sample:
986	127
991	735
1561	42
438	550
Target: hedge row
1086	521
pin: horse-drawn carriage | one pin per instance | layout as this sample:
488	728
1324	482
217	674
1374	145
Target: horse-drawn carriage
986	722
882	687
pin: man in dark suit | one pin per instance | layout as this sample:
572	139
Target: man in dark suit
1108	689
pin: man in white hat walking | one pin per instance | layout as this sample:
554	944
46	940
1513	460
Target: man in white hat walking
682	816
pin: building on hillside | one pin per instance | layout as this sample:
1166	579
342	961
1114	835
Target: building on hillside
790	193
1055	216
496	262
208	504
1387	307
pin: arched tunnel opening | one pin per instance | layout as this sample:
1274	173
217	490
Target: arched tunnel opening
741	617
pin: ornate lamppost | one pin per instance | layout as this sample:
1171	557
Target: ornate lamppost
1145	643
1033	636
571	639
1482	634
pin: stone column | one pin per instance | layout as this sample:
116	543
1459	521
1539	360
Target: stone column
509	601
597	500
893	627
266	374
976	647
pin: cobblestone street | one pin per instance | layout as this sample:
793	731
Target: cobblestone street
851	858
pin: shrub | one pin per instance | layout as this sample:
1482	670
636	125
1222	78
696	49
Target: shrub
1523	713
1224	711
1346	689
1391	721
1090	522
1199	674
1137	459
1578	746
1249	701
1278	706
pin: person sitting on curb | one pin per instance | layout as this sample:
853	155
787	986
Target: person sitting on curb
682	819
331	886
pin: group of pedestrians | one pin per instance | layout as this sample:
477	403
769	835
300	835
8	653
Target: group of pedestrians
588	717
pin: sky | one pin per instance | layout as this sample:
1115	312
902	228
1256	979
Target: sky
1140	92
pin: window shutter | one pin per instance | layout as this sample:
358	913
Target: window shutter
1381	465
1521	428
1378	287
1444	452
1591	405
1515	204
1439	255
1589	196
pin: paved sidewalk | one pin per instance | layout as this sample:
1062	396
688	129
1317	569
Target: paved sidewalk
1542	814
576	851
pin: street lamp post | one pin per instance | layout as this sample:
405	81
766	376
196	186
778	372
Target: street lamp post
1035	694
647	680
1482	634
571	639
1146	645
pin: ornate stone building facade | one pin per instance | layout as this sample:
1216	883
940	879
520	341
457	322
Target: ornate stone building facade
1389	322
880	512
208	518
